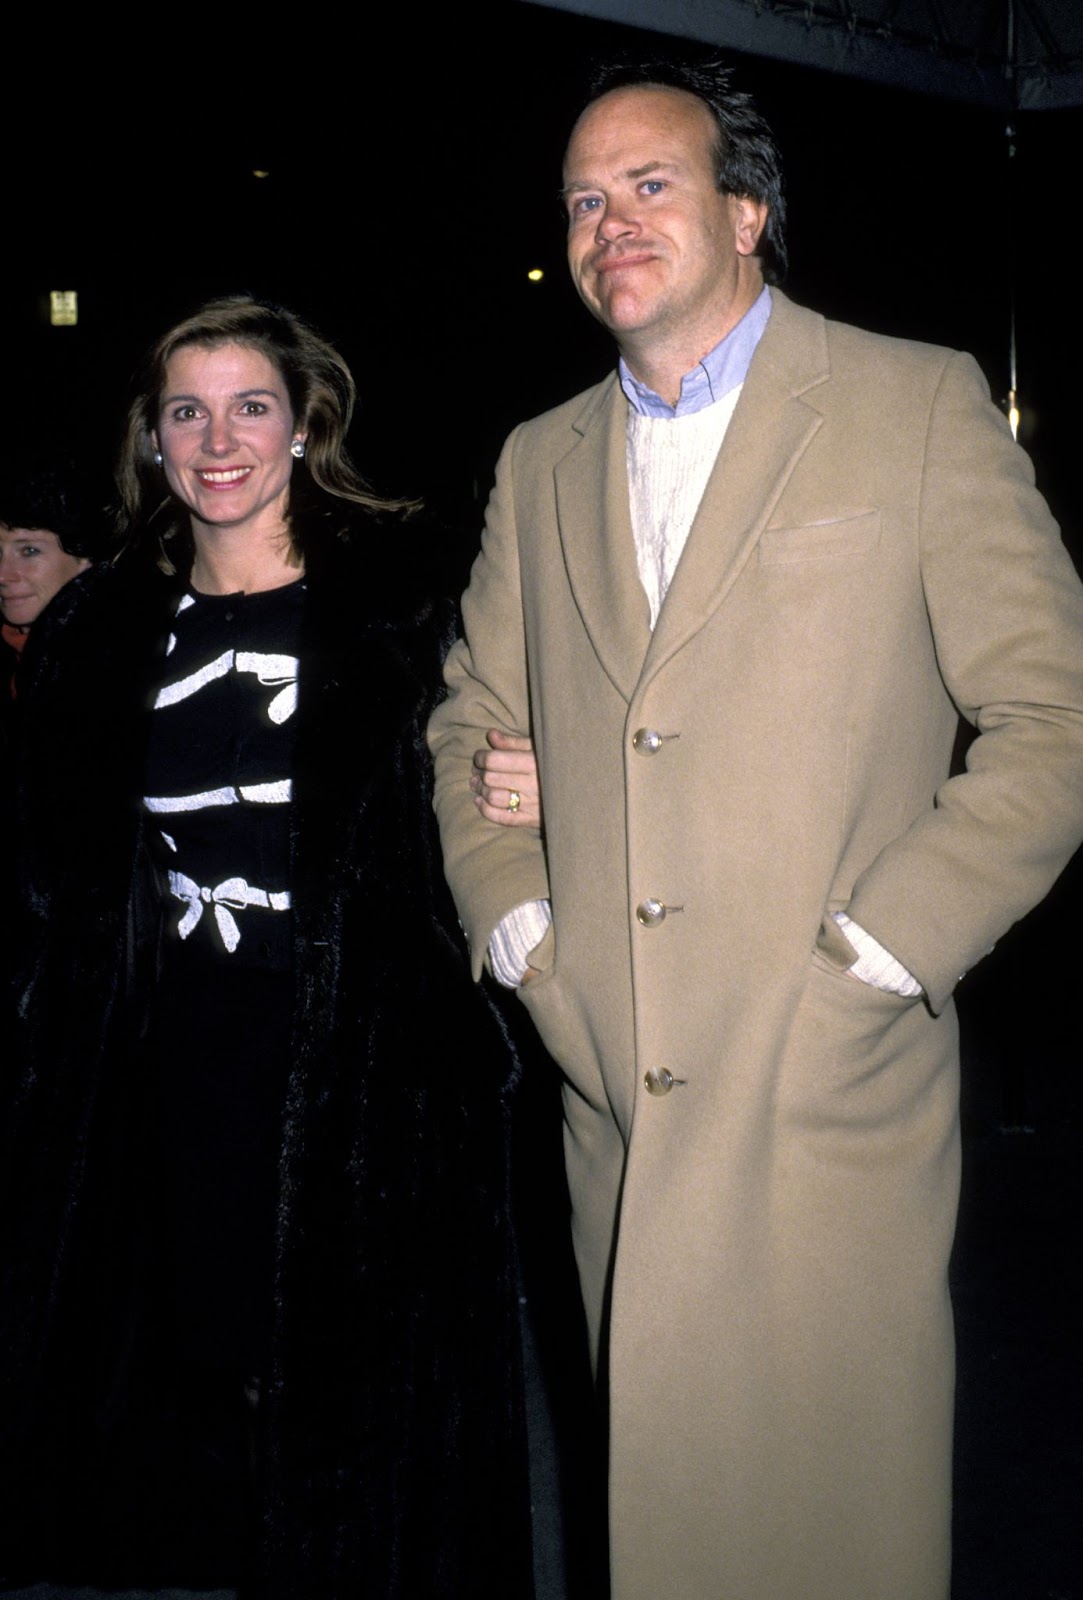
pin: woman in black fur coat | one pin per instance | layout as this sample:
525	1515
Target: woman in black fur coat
257	1264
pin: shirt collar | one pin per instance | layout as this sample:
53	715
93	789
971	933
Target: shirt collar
720	371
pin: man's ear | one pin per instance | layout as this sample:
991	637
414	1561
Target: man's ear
750	219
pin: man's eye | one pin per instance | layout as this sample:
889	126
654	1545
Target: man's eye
653	186
586	204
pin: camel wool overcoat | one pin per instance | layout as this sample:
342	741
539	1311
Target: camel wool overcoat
762	1151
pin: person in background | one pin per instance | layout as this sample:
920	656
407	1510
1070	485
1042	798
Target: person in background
41	549
256	1265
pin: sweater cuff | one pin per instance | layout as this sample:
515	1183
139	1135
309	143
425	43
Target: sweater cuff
513	939
875	965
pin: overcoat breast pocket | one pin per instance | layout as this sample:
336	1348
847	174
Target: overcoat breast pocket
852	534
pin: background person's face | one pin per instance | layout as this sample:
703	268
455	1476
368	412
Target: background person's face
33	566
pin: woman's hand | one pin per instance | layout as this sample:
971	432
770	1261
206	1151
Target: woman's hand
505	781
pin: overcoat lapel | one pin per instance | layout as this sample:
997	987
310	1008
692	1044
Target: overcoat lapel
596	533
770	431
772	427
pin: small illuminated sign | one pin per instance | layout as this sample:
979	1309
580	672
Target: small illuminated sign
63	307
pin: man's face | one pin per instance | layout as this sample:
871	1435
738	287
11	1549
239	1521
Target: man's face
656	251
33	566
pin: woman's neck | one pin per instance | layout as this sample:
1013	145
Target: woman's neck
227	565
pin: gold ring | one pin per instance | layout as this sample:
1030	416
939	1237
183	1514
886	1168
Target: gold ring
515	800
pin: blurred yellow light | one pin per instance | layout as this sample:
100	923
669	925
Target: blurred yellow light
260	172
1013	413
535	274
63	307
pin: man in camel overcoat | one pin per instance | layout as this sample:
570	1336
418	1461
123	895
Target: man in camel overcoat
739	595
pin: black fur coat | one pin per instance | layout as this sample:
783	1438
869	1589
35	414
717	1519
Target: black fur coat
393	1459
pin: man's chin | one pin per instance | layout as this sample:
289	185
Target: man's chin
623	313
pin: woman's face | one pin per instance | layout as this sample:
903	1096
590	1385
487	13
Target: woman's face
225	427
33	566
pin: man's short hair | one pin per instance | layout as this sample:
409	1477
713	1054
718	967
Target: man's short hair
749	164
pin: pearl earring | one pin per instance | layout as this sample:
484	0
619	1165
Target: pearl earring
297	449
157	458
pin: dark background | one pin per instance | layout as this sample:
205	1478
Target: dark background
412	184
413	171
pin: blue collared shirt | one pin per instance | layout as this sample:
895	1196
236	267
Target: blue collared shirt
721	370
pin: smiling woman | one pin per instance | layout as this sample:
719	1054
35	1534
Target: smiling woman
224	408
245	1198
226	434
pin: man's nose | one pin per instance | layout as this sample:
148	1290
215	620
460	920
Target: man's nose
615	222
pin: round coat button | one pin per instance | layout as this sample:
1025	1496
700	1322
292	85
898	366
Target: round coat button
646	741
650	912
659	1080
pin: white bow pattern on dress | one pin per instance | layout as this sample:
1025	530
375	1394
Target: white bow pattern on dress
269	668
232	894
275	670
